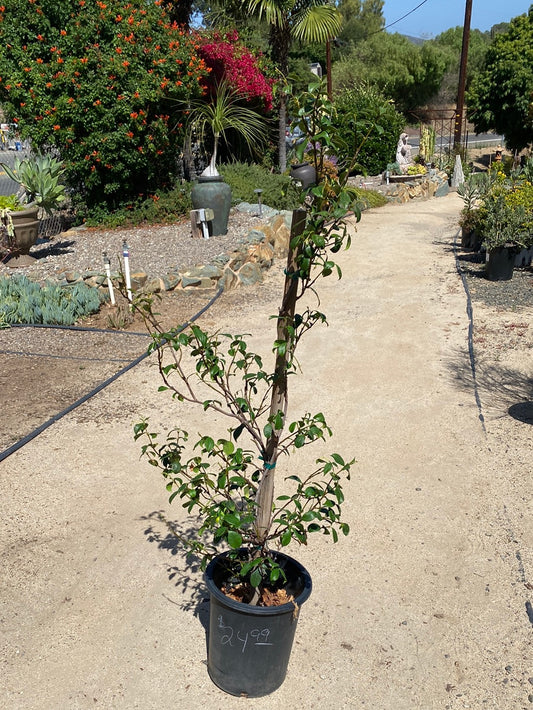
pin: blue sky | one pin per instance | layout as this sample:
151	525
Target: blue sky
435	16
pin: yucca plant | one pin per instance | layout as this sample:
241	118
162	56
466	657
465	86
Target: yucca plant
220	113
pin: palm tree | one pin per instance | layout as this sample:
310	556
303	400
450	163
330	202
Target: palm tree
303	20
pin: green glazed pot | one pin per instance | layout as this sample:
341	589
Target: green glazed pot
212	192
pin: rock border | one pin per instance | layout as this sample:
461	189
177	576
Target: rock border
242	267
265	242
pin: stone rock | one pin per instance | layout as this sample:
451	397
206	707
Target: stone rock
172	280
253	209
262	254
209	271
138	279
95	281
254	236
250	274
71	277
188	281
279	236
442	190
229	280
237	259
154	286
247	208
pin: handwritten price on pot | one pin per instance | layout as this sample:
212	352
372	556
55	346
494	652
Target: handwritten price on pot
256	637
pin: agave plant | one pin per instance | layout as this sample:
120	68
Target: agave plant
40	179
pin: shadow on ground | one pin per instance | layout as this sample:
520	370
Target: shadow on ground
173	537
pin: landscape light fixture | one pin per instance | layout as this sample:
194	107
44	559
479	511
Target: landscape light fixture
259	192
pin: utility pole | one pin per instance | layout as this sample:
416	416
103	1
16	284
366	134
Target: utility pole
328	69
462	78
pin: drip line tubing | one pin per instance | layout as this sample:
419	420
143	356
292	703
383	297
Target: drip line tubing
62	357
82	329
32	435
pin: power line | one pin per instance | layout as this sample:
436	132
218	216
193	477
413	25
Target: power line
404	16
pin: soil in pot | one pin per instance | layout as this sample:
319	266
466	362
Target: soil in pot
250	646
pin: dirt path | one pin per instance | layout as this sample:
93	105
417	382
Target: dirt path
424	605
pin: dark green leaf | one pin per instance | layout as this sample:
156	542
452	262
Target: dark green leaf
234	540
286	538
256	578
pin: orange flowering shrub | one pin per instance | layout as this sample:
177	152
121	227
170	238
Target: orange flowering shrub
99	83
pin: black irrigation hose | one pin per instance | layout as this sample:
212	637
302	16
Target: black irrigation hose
62	357
32	435
81	328
470	314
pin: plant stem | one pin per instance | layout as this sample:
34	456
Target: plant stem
279	397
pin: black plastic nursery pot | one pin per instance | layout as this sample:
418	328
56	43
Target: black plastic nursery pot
250	646
500	264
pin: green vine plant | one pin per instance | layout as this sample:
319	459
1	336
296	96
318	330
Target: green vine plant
229	481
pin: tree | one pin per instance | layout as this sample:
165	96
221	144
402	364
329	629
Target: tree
407	73
96	83
229	60
289	20
500	97
360	19
222	113
450	44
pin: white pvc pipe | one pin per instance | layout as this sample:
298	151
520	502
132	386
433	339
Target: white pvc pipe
126	255
107	264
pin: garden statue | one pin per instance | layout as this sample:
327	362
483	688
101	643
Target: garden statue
403	153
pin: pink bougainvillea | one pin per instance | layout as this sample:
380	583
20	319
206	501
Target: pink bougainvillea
230	60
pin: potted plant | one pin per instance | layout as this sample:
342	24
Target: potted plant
505	233
220	114
469	221
19	228
472	191
41	190
232	481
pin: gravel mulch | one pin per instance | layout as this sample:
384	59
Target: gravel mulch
155	249
510	295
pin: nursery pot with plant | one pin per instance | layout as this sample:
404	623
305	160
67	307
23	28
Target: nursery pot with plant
471	191
504	235
248	505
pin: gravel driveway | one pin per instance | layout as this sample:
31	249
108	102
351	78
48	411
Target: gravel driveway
426	605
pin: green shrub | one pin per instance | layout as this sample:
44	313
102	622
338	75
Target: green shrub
164	207
24	301
279	192
370	198
359	110
102	87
